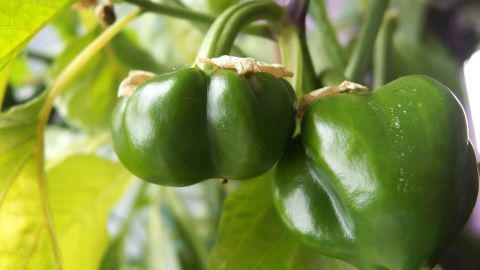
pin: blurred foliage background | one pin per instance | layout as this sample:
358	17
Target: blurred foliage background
154	227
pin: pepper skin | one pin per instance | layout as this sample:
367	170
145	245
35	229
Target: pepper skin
186	126
380	179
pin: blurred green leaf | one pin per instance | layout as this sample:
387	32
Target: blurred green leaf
126	49
114	256
418	52
162	254
185	38
82	190
30	17
88	100
328	52
21	73
67	24
194	252
429	57
251	235
153	37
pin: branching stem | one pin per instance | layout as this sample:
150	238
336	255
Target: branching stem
193	16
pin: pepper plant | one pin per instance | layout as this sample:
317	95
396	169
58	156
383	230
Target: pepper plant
227	134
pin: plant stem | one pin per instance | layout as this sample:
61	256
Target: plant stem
4	76
63	79
330	45
291	55
294	51
383	46
297	11
363	48
221	35
40	56
174	11
80	60
193	16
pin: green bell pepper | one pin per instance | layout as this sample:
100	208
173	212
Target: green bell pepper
186	126
380	179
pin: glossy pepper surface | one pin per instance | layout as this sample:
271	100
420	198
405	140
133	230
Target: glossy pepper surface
186	126
385	178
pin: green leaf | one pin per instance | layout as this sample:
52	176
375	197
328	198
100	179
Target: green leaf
25	239
436	61
66	24
19	22
88	100
115	257
251	235
194	251
162	254
127	51
21	72
327	50
83	189
185	38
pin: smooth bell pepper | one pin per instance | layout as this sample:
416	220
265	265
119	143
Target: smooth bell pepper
186	126
380	179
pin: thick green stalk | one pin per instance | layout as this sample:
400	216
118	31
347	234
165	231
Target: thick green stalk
363	48
221	35
297	10
310	81
383	50
332	49
193	16
291	56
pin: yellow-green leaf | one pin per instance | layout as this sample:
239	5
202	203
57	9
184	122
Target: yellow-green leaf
25	238
82	190
58	220
20	20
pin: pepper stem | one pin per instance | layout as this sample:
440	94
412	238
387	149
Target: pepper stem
297	12
363	48
221	35
383	49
